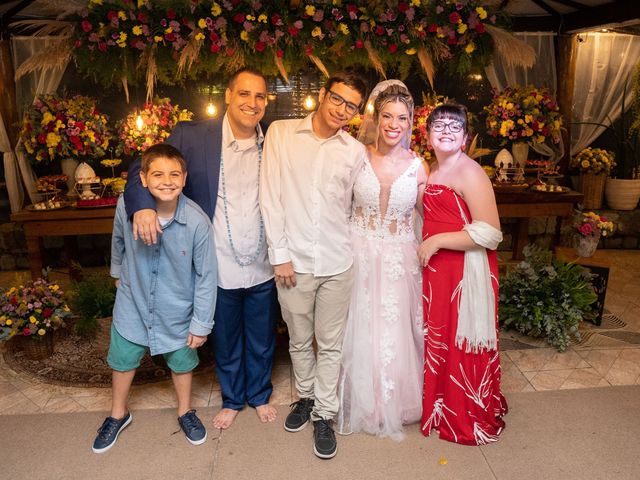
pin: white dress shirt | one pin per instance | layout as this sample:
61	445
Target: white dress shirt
242	184
305	196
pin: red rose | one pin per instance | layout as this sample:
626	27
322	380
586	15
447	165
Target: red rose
111	14
77	44
379	30
293	31
230	52
142	18
393	48
102	46
359	44
403	7
454	17
86	26
480	28
279	53
171	14
215	48
213	36
47	312
26	332
42	138
308	49
260	46
238	17
452	40
432	28
170	37
276	19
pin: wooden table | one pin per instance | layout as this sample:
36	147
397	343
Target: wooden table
527	204
57	223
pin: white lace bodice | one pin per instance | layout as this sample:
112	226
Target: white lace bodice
383	211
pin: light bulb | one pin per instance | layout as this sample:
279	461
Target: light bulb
271	97
212	111
370	108
309	103
139	122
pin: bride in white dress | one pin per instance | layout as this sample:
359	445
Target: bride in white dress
380	386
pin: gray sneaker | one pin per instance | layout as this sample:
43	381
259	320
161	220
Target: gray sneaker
108	433
299	415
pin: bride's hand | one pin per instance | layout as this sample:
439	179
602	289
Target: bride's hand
427	249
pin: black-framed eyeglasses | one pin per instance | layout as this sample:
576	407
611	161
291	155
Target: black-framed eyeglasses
337	100
454	127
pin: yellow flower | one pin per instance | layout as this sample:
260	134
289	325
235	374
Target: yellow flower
168	30
585	164
94	2
54	287
415	3
215	9
137	30
410	51
262	18
482	13
9	322
462	27
470	47
199	36
52	140
122	15
251	17
310	10
141	3
244	35
47	118
157	39
316	32
41	331
344	29
32	319
202	23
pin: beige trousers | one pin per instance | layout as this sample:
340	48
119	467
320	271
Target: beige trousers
317	306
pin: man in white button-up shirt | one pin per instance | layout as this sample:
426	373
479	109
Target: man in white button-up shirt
224	164
310	166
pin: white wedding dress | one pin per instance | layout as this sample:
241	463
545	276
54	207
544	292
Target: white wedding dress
380	386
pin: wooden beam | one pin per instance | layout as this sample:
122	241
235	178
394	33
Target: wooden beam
619	11
8	108
566	74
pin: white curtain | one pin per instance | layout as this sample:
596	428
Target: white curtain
604	65
27	88
543	72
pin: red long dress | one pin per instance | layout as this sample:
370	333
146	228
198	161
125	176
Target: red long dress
462	398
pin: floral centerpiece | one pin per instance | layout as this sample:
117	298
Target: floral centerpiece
419	134
594	160
524	114
150	125
34	310
55	128
589	227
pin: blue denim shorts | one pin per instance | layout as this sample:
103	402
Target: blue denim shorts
124	355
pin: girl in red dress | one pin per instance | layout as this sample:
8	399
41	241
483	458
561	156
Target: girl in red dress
462	399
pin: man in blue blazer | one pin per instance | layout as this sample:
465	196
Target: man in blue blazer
224	158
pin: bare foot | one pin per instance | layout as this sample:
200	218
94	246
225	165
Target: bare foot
225	418
266	413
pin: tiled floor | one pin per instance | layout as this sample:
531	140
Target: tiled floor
607	355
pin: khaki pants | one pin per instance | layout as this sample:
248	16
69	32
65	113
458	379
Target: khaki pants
317	306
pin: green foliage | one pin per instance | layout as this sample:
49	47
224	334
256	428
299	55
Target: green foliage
545	297
93	298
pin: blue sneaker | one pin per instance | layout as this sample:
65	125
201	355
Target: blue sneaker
192	427
108	433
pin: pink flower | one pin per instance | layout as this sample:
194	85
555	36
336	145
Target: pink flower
586	229
359	44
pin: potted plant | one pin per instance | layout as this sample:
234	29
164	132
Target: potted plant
589	227
30	313
545	297
623	191
92	301
594	165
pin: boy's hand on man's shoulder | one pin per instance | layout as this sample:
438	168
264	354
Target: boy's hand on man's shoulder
195	341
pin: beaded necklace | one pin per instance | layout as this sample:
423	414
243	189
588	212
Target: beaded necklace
242	260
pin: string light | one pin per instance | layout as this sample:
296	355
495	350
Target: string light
139	122
309	103
212	110
271	97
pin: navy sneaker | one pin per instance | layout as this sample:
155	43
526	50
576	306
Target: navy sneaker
324	439
108	433
299	415
192	427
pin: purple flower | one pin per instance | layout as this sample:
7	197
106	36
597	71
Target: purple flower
318	16
174	25
337	14
411	13
298	24
439	9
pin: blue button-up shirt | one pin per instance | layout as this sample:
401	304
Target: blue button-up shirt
167	290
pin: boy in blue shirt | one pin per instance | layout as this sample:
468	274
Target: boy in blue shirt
166	294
